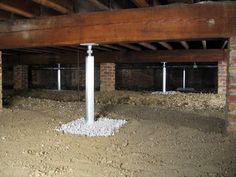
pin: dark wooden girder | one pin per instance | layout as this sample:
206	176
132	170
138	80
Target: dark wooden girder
162	23
208	55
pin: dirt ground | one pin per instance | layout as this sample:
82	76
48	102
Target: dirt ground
175	135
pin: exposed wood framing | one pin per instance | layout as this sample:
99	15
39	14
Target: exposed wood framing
184	44
212	20
24	9
140	3
148	45
132	47
113	47
166	45
101	48
208	55
99	5
62	6
204	44
225	43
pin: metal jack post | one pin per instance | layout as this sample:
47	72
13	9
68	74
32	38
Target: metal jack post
89	65
164	78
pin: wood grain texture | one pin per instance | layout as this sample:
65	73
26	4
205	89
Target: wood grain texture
177	22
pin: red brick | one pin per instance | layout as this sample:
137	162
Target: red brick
232	117
231	107
232	87
232	69
232	40
20	74
233	59
231	98
222	77
232	79
107	76
231	128
1	82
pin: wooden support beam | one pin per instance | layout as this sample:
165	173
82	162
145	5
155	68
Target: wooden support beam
209	55
184	44
166	45
212	20
23	8
204	44
140	3
147	45
62	6
132	47
98	4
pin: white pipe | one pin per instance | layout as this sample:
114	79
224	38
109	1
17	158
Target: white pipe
184	78
59	77
89	87
164	78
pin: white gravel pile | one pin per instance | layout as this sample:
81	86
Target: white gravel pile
102	127
166	93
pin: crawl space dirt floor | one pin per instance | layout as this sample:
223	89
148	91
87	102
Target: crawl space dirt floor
174	135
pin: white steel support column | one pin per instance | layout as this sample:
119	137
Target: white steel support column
59	77
184	78
89	87
164	78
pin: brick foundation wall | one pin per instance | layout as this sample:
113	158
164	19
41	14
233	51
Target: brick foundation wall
130	79
222	77
69	78
1	81
20	77
231	86
107	76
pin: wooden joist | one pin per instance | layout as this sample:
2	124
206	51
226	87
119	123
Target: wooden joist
25	9
148	45
204	44
177	22
101	48
130	46
184	44
113	47
140	3
225	44
208	55
98	4
62	6
166	45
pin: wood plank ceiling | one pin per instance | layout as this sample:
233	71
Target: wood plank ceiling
20	9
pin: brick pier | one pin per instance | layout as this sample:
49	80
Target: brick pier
107	76
231	86
20	77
